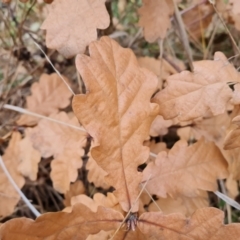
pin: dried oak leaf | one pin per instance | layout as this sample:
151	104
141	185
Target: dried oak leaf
197	19
117	113
155	18
232	139
65	170
72	24
48	95
160	126
75	189
200	94
185	170
160	67
185	205
67	149
204	224
61	225
8	195
96	174
29	157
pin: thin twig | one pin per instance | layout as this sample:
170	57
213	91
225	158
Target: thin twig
50	62
183	34
225	26
31	207
22	110
153	200
229	211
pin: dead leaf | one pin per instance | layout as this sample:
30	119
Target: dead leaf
118	90
213	129
203	93
160	67
155	18
198	18
45	98
185	169
232	139
204	224
232	187
29	158
185	205
65	170
61	225
66	36
8	195
233	158
96	174
67	148
76	188
160	126
64	138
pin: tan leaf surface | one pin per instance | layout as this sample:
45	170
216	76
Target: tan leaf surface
48	95
185	169
213	129
117	113
64	138
233	158
185	205
161	68
155	18
99	199
232	139
200	94
204	224
232	187
8	195
96	174
76	188
66	36
160	126
65	170
29	158
65	144
197	19
61	225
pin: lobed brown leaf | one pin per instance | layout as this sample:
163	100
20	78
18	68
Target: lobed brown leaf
8	195
155	18
204	224
67	148
48	95
203	93
117	113
29	157
71	25
185	169
61	225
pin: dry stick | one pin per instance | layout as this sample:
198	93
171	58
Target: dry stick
22	110
48	59
31	207
123	221
228	200
183	34
138	34
160	43
225	26
148	193
211	40
229	211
